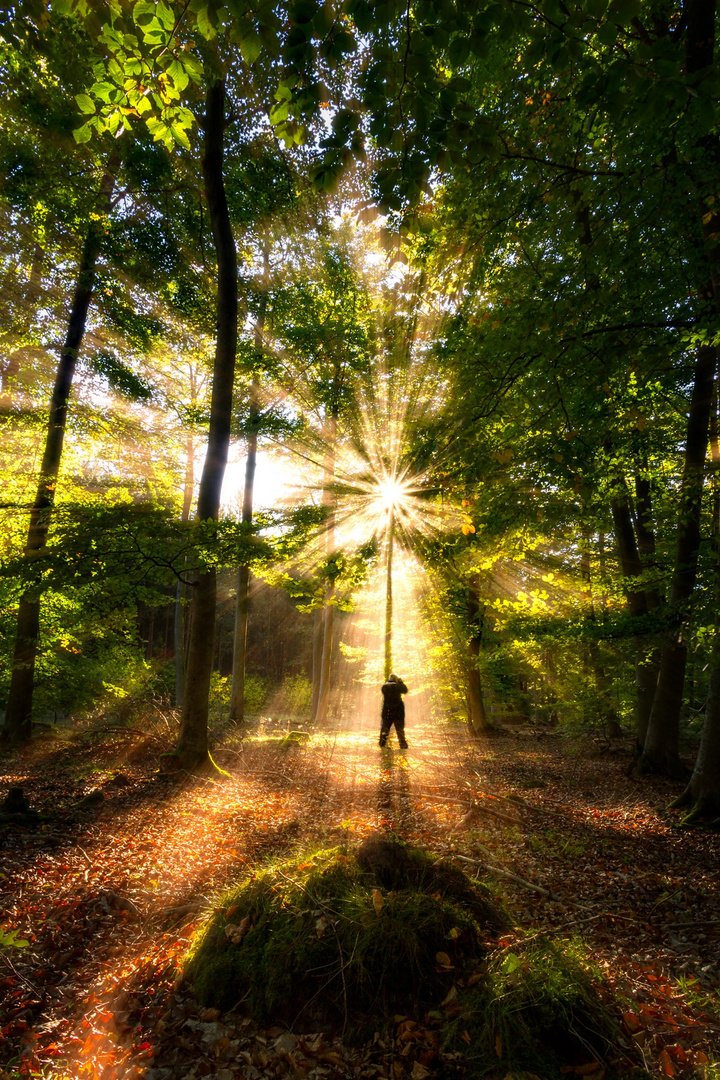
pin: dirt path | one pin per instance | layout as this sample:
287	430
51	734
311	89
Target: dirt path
110	896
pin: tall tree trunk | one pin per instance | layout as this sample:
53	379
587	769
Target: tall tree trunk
603	683
645	674
181	588
715	475
19	709
661	750
317	643
237	694
477	717
648	663
326	655
703	789
192	749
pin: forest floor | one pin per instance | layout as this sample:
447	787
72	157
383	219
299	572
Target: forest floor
108	895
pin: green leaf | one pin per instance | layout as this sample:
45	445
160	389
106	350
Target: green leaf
82	134
85	103
165	15
204	25
178	74
103	90
279	113
510	963
623	11
250	47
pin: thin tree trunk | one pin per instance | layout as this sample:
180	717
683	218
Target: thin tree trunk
19	709
661	750
703	789
389	593
320	714
237	695
317	643
181	588
326	655
192	747
477	717
603	683
645	674
648	663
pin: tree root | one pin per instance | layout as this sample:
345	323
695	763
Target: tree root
673	768
703	809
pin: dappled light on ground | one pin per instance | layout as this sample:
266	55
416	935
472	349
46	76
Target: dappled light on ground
109	896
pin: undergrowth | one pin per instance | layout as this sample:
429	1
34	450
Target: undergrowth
343	934
536	1013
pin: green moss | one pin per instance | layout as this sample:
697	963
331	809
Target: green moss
343	934
535	1012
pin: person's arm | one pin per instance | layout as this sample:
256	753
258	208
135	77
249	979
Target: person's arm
403	687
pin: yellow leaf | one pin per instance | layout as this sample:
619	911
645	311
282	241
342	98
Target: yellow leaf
378	901
443	959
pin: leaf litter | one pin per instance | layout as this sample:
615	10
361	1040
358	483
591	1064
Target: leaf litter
108	893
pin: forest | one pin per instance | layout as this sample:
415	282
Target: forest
351	347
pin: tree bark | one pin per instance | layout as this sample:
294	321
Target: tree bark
18	723
181	588
661	750
192	749
603	683
320	714
326	655
645	673
703	789
477	717
317	643
237	695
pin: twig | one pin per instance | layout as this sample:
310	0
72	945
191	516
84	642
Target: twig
692	925
482	809
508	874
19	976
85	856
472	807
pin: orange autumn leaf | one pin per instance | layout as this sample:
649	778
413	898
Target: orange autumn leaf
668	1067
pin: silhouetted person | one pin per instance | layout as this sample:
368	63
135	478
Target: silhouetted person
393	710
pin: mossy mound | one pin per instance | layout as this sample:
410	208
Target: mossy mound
349	938
537	1012
344	935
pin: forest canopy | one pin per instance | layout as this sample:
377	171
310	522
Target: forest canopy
447	274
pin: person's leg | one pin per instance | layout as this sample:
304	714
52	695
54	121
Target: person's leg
400	728
384	729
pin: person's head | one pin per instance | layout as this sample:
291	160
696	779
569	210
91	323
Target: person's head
393	678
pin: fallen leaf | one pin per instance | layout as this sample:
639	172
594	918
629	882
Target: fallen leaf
378	901
668	1067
